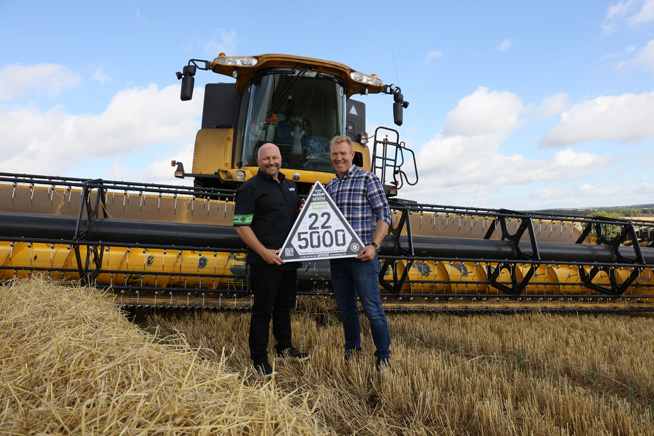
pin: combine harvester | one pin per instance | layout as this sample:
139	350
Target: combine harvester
172	246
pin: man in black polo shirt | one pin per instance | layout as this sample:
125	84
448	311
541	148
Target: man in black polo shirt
266	208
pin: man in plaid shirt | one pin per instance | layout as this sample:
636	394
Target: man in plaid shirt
360	197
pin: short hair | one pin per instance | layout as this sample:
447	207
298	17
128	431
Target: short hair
339	139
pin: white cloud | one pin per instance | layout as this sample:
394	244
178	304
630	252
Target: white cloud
17	81
628	12
632	57
100	76
136	119
484	112
159	171
465	158
644	15
624	118
645	57
224	42
616	13
454	168
433	55
553	105
456	161
504	45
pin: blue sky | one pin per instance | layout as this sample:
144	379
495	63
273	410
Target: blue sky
513	104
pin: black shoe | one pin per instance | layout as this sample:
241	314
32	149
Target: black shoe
291	352
382	363
264	369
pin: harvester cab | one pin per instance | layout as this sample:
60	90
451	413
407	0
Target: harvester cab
297	103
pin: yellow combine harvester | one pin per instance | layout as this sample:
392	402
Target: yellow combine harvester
172	246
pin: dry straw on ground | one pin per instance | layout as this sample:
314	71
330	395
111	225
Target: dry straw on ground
71	363
523	374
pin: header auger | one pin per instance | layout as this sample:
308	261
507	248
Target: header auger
173	246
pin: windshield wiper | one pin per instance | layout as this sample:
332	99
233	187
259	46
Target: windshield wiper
282	96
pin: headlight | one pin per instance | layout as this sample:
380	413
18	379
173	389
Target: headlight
240	175
237	61
366	79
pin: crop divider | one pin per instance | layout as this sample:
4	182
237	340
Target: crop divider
627	230
79	238
407	253
526	224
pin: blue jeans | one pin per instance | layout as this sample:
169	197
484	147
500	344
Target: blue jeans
352	278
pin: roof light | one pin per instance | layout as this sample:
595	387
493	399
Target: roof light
365	79
237	61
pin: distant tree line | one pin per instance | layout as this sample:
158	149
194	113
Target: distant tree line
609	212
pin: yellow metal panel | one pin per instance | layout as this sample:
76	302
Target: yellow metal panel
365	151
213	150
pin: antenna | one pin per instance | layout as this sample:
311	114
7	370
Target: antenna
397	76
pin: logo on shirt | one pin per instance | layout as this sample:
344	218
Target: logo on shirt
244	220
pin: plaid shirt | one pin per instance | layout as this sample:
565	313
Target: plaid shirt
360	197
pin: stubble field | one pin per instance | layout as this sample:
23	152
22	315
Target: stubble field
72	364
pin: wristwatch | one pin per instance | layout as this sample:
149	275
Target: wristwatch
375	246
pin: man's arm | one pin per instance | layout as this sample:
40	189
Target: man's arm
368	252
268	255
380	231
380	212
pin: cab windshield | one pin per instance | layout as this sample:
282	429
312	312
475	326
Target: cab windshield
298	110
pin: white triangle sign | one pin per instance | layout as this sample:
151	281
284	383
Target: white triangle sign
320	231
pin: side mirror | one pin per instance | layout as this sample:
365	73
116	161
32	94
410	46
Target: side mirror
399	104
398	112
188	82
398	108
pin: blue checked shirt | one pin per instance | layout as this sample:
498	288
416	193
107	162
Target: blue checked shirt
360	196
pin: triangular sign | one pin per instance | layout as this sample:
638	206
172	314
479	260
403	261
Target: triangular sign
320	231
353	111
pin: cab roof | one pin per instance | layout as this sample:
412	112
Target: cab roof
243	73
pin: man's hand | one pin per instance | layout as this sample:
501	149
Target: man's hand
367	253
268	255
272	256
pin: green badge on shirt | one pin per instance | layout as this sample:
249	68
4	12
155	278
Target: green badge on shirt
243	220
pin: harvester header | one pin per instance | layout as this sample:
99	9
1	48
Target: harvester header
173	246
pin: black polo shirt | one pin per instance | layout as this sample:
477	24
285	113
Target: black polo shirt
269	208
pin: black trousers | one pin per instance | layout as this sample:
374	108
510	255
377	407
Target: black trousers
274	296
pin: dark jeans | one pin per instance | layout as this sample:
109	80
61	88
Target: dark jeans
352	278
274	295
